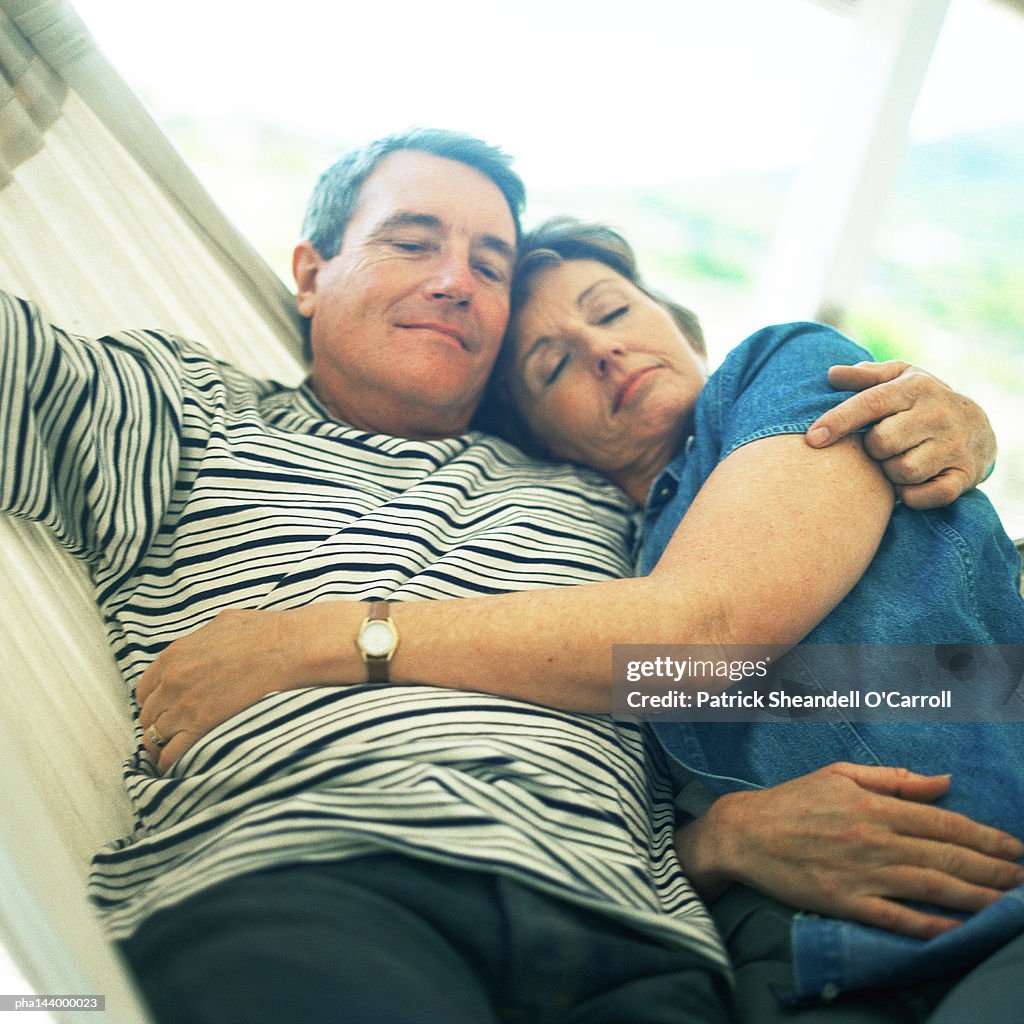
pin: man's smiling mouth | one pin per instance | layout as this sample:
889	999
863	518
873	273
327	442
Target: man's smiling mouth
437	327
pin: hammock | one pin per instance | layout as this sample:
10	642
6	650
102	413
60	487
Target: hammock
105	227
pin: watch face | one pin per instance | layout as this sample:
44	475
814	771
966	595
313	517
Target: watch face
377	638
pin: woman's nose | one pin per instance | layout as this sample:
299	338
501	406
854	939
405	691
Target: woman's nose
604	355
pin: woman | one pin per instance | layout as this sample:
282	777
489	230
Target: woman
601	372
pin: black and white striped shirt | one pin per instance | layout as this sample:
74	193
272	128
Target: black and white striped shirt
188	487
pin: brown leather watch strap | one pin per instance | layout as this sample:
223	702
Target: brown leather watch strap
378	667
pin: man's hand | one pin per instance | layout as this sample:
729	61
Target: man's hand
932	442
853	841
203	679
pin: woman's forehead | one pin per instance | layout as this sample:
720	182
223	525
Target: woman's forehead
570	277
566	286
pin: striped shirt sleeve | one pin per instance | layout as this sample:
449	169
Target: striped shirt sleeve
90	432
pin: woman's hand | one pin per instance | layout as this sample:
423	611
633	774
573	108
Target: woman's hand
238	657
853	841
933	443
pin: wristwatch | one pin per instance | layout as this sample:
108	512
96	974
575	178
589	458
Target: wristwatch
377	641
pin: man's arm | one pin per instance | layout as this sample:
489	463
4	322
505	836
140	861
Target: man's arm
810	521
932	443
88	428
852	841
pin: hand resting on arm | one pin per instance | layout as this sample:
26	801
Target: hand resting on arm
932	443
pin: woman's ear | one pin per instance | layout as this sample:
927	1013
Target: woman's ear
306	263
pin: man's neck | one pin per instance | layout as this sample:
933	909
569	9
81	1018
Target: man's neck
386	420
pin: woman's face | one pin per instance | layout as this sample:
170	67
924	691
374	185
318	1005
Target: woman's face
602	373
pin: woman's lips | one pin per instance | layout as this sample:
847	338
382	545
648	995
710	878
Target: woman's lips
628	387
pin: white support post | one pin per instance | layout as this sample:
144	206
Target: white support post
823	245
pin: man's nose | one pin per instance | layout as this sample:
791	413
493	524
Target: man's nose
453	279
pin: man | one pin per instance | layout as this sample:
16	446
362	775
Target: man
364	853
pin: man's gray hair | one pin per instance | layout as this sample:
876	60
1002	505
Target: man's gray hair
337	191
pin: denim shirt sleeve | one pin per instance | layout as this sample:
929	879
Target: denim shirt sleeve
776	382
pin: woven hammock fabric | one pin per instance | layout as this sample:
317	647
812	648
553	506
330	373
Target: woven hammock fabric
104	226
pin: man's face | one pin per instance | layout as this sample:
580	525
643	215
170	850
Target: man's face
407	319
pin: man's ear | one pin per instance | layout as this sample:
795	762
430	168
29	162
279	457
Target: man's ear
306	263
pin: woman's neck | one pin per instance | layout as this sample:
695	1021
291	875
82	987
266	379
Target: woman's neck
637	478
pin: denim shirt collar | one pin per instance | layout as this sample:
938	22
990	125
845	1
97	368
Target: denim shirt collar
662	491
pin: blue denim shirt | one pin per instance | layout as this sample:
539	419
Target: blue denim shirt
940	577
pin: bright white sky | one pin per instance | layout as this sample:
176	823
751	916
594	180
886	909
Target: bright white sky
630	92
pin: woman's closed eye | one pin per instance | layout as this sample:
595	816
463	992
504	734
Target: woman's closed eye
557	370
608	318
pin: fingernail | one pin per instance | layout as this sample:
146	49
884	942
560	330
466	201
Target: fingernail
818	436
1011	847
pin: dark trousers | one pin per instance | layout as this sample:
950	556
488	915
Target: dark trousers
393	940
